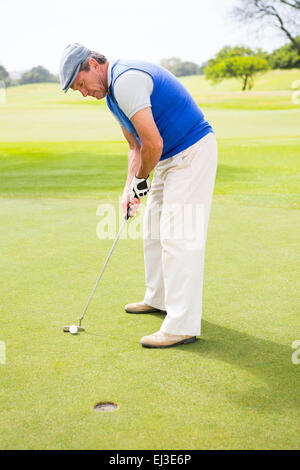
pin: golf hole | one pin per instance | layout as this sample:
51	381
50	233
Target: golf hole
105	406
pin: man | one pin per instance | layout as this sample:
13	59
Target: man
166	131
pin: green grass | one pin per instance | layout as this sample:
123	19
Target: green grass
41	112
274	80
272	90
236	387
78	123
252	171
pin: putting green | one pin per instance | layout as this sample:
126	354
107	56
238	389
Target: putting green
237	386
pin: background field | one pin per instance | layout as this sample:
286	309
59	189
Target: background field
62	157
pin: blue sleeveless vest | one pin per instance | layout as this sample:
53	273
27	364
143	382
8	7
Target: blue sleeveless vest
177	116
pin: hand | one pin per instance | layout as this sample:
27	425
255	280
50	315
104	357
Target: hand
139	187
132	203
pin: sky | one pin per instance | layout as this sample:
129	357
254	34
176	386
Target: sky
35	32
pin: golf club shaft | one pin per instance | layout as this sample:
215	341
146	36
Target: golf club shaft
103	269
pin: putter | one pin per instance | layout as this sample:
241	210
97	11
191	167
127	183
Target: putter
66	329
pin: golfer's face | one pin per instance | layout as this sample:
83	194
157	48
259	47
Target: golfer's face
89	84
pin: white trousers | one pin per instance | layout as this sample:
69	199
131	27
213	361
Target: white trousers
175	228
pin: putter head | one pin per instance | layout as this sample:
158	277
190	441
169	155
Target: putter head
66	329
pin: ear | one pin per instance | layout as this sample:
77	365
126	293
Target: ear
93	64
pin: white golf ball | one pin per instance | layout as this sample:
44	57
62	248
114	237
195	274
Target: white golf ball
73	329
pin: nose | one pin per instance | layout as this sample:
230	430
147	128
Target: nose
84	92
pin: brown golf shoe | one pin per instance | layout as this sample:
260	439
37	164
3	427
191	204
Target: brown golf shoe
140	307
165	340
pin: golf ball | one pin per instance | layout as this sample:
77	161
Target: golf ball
73	329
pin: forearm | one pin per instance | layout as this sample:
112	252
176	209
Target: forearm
134	163
149	157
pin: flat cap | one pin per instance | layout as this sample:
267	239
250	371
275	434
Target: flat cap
73	55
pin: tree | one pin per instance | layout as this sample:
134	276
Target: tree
4	75
202	67
237	62
37	75
180	68
281	14
286	57
170	63
186	68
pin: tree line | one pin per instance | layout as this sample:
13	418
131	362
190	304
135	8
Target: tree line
285	57
37	74
244	63
239	62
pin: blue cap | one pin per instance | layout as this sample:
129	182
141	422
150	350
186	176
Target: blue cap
73	55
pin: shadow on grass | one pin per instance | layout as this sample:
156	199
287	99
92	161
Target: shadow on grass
279	379
269	361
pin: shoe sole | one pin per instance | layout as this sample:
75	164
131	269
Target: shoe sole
145	311
185	341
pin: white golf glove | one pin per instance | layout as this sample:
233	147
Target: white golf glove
139	187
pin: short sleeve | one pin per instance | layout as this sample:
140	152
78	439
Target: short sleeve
132	91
